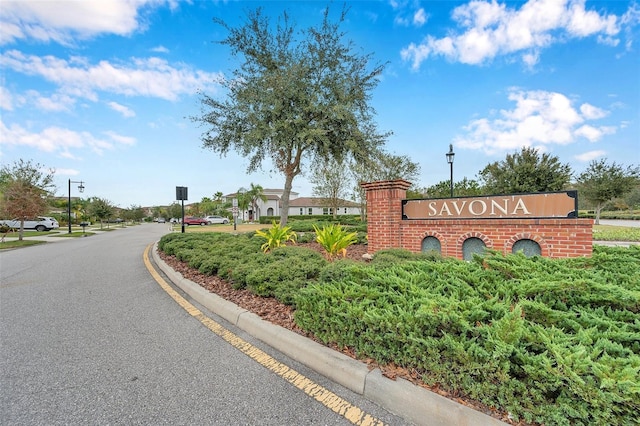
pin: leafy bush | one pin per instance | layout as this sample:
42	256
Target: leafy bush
395	255
552	341
334	240
306	237
283	272
276	236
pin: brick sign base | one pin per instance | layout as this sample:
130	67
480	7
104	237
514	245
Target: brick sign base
557	237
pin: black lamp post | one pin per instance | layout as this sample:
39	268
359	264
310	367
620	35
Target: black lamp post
81	189
450	156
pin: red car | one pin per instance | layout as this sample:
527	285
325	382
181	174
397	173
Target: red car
190	220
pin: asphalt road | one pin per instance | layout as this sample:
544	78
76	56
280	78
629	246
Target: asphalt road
88	337
620	222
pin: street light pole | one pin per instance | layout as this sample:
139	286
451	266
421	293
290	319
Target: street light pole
81	189
450	156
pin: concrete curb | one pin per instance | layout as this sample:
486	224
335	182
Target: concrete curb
401	397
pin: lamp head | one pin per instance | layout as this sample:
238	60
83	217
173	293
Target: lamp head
81	187
450	155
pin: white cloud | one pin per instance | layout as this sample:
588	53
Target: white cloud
125	111
409	13
123	140
538	119
59	141
160	49
419	17
47	21
152	77
594	134
592	113
490	29
56	102
6	100
589	156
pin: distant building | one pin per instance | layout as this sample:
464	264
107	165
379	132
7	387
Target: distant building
318	206
297	206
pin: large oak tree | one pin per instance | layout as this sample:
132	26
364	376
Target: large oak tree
601	182
297	98
525	171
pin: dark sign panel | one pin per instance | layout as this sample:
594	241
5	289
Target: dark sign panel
516	206
181	193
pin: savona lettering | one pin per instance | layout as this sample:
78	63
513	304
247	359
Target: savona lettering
504	207
538	205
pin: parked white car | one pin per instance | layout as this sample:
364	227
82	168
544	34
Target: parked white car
216	219
40	223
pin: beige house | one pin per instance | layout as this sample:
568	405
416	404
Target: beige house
319	206
297	206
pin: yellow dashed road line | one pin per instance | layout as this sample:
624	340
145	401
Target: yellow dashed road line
327	398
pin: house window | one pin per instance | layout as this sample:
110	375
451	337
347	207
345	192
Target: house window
301	211
345	210
270	211
310	211
325	210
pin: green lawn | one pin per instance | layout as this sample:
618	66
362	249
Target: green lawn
615	233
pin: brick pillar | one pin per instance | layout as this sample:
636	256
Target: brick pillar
384	212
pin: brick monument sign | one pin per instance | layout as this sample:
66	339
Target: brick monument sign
543	224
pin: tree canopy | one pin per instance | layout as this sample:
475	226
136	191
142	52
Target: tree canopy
298	96
525	171
462	188
381	166
101	208
331	183
602	182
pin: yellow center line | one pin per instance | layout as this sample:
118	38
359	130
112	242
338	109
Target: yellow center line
327	398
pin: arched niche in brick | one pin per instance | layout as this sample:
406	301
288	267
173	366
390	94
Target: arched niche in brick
525	236
472	242
430	235
528	247
431	243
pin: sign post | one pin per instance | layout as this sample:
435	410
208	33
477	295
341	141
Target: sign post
181	194
235	212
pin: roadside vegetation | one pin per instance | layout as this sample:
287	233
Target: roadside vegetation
615	233
549	341
18	244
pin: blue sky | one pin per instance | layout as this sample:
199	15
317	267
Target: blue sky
101	91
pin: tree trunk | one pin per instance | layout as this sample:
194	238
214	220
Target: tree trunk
284	211
598	210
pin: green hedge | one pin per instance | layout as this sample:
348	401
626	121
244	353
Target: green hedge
549	341
618	214
344	219
552	341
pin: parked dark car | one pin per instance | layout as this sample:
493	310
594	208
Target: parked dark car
190	220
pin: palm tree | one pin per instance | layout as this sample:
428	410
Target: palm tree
255	193
243	200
